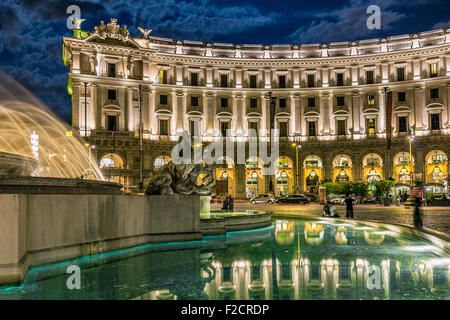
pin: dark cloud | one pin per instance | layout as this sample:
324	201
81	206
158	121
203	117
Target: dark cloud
31	31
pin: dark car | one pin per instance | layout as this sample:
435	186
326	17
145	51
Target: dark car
313	197
369	200
294	198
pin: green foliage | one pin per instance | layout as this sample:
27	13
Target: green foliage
332	187
358	188
384	187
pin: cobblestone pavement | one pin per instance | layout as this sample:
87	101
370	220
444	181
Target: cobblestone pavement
435	218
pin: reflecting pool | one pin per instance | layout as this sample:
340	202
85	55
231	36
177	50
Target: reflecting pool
294	259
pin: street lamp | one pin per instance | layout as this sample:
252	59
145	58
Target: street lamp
297	146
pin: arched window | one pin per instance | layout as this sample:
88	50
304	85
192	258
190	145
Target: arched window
111	161
160	162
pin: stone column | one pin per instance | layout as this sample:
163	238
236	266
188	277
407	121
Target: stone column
448	98
130	110
93	107
238	112
76	105
324	120
419	106
239	181
356	113
297	110
152	116
381	123
178	111
211	110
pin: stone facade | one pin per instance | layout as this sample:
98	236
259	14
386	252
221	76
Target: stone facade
329	98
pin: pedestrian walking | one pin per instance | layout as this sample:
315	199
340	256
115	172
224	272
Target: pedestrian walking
418	214
349	206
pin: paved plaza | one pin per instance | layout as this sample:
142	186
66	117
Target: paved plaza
435	218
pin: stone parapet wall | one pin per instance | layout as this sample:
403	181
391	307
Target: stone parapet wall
37	229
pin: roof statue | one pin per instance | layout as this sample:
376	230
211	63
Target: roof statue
77	23
145	32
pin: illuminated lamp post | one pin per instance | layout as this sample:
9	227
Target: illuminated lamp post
297	146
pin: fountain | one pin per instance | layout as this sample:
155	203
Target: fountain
39	153
35	142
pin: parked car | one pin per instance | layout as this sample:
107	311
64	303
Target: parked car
314	197
370	199
263	198
340	199
294	198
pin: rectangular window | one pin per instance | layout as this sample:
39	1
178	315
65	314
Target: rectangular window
402	124
163	99
341	127
433	70
224	102
164	127
226	274
340	101
283	129
282	103
371	126
310	80
435	123
112	70
194	101
400	74
253	103
194	79
163	76
256	272
434	93
370	99
311	128
224	128
401	96
339	79
224	80
369	76
311	102
112	123
282	81
252	78
112	95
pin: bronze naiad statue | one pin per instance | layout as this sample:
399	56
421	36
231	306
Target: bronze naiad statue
181	179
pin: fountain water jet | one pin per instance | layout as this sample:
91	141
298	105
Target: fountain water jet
53	153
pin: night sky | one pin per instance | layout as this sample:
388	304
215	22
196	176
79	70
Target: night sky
31	31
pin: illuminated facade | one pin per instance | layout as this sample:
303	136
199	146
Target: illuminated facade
329	97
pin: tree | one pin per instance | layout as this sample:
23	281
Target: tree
332	187
384	187
360	189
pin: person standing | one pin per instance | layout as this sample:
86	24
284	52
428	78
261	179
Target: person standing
225	204
349	206
418	215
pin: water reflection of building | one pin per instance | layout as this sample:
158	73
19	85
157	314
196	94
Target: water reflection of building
329	278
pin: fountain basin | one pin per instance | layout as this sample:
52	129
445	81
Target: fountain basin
16	165
40	185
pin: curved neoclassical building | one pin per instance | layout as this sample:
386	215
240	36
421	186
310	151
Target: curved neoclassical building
350	105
